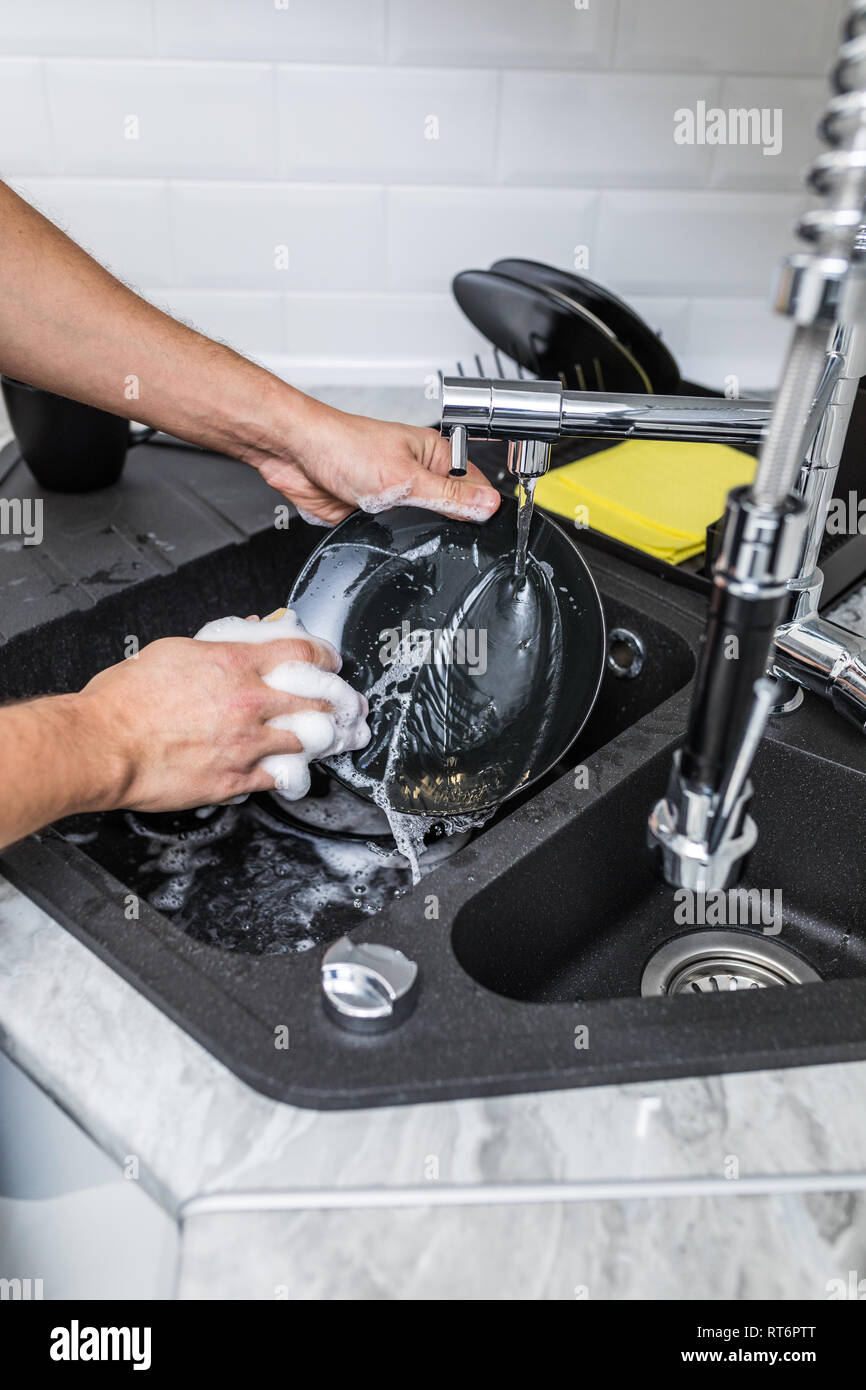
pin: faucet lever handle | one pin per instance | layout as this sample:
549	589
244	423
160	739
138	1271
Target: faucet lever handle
459	447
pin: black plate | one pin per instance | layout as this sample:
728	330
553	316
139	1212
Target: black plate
504	703
628	327
548	333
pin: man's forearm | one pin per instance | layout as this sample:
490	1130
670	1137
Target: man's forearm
67	325
55	761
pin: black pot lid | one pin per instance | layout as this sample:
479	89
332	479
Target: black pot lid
547	333
627	326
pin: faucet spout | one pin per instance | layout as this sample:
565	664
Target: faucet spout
487	408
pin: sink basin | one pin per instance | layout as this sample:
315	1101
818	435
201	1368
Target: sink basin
532	940
603	927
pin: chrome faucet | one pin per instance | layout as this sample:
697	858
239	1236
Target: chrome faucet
763	614
701	830
809	652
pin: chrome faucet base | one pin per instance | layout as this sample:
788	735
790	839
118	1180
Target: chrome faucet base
680	834
826	659
792	703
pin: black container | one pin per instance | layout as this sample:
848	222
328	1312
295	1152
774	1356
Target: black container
68	447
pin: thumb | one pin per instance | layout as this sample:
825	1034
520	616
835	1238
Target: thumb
471	498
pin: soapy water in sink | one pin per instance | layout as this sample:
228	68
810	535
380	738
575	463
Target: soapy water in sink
240	878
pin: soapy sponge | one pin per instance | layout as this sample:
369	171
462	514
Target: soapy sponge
320	734
656	496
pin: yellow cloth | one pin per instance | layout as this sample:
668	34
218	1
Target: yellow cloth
656	496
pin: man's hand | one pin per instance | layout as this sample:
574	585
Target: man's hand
333	463
182	724
187	721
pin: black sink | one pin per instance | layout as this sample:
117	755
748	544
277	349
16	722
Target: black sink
602	927
532	939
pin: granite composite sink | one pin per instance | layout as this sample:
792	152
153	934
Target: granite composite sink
531	964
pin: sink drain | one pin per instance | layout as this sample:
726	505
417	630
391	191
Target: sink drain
713	962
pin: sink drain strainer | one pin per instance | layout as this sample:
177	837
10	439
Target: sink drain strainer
712	962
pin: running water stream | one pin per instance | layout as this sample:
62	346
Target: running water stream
525	505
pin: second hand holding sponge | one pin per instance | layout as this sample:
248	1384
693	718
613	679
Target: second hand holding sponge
321	734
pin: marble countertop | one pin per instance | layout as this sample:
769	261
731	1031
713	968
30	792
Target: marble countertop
748	1185
284	1202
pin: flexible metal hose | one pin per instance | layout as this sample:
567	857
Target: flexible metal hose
839	176
781	452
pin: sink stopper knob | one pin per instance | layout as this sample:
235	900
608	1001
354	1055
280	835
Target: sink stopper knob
368	988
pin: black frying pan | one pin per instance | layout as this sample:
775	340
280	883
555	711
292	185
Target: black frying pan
453	739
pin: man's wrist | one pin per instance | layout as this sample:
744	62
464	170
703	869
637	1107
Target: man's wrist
63	759
101	773
277	420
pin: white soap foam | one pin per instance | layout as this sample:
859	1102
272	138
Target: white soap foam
388	497
393	496
464	511
274	630
320	733
178	854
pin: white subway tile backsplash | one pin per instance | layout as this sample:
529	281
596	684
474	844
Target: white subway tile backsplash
385	327
501	33
166	119
599	129
786	118
250	322
309	175
122	222
434	233
25	133
295	31
386	123
736	343
277	237
781	36
693	243
122	28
